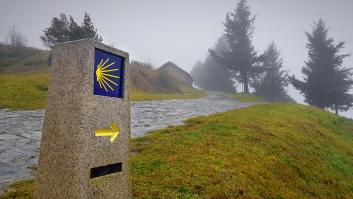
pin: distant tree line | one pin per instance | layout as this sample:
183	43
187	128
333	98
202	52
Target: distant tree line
235	59
326	82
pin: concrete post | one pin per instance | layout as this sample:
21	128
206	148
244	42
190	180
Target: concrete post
84	151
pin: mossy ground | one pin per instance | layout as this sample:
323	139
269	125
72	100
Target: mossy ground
247	97
264	151
28	90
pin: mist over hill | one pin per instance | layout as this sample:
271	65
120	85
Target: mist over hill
168	78
23	59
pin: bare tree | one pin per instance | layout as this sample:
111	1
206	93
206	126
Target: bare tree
15	39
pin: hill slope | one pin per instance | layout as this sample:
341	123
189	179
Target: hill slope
271	151
264	151
27	90
147	83
22	59
144	78
174	74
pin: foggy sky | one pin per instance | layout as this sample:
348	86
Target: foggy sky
157	31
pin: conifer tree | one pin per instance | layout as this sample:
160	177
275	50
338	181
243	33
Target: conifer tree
209	75
240	57
88	29
63	30
57	32
271	85
326	82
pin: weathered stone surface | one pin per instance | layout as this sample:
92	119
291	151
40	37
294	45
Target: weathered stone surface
69	147
20	133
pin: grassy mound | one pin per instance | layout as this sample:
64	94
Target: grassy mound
264	151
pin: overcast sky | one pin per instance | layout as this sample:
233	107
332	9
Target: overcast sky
157	31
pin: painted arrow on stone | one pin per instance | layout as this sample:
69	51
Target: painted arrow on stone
112	132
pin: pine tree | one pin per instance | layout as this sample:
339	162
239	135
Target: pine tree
209	75
57	32
326	83
63	30
75	32
272	83
240	57
89	31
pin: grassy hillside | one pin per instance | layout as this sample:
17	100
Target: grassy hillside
264	151
272	151
22	59
148	80
26	90
170	82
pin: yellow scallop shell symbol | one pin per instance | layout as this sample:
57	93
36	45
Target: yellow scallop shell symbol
104	78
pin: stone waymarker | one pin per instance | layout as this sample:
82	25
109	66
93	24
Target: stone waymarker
84	151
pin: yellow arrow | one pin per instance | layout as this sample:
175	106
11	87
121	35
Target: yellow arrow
113	132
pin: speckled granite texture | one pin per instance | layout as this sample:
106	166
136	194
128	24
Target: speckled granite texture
69	147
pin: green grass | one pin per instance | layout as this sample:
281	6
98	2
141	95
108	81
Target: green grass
247	97
26	90
264	151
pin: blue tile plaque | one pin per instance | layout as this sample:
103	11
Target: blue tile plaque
108	74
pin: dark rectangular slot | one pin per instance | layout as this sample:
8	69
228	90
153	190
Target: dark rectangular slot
105	170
